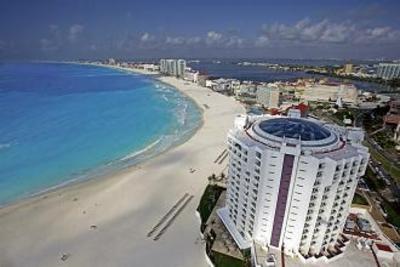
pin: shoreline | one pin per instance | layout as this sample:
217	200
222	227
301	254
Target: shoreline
125	205
105	174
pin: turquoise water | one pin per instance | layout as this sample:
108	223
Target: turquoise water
64	122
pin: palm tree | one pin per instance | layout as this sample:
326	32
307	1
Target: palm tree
213	176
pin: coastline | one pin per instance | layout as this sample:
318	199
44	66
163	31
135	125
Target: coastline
106	173
124	205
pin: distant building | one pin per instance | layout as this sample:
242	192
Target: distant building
163	66
222	85
339	102
327	92
173	67
150	67
396	136
181	67
388	71
111	61
302	107
192	76
202	79
393	116
268	96
348	68
290	184
247	93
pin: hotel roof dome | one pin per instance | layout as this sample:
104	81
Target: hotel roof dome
293	131
295	128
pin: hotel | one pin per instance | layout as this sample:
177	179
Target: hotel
173	67
388	71
291	181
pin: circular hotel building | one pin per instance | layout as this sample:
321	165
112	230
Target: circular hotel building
290	184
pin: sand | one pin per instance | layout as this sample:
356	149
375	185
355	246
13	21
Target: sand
104	221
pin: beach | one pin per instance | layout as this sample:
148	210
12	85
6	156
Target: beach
105	221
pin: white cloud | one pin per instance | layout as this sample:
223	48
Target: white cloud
261	41
325	32
58	37
48	45
180	40
53	27
147	37
175	40
193	40
217	39
234	41
213	38
74	32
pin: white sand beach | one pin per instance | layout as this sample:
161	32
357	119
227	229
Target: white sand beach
104	222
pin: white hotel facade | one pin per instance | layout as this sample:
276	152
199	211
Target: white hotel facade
173	67
291	181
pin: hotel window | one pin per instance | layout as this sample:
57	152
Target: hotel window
242	234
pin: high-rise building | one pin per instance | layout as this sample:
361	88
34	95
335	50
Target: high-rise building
163	66
291	181
348	68
173	67
268	96
181	66
388	71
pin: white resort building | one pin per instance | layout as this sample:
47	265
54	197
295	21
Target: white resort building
291	181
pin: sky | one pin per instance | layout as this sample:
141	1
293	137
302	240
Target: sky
132	29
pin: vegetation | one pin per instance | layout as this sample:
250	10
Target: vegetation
393	216
247	257
345	114
207	202
360	200
372	181
221	260
374	120
384	139
389	166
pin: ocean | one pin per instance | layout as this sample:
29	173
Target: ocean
61	123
